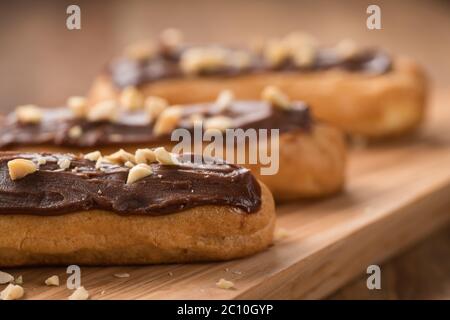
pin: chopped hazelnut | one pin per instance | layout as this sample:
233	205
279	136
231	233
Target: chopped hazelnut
276	97
120	157
276	52
103	111
129	164
219	123
122	275
64	163
167	120
18	280
52	281
5	277
224	100
346	48
196	60
75	132
19	168
131	98
78	105
165	157
12	292
141	51
41	161
29	114
171	38
279	234
225	284
93	156
79	294
240	60
304	56
145	156
155	105
138	172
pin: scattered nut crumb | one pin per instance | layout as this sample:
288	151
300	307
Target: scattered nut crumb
103	292
171	38
131	98
103	111
52	281
165	157
93	156
79	294
145	156
167	120
225	284
122	275
129	164
78	105
18	280
276	97
275	52
138	172
19	168
5	277
12	292
224	100
75	132
170	274
64	163
41	161
29	114
280	233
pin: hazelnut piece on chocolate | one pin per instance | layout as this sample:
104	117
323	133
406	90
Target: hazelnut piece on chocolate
155	105
131	98
79	294
103	111
346	49
171	38
165	157
224	100
64	163
195	60
167	120
219	123
78	105
19	168
75	132
12	292
138	172
5	278
145	156
29	114
276	52
276	97
93	156
120	157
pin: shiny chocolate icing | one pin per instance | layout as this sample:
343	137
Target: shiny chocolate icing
169	189
137	128
126	71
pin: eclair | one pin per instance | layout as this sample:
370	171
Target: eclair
295	156
364	91
61	209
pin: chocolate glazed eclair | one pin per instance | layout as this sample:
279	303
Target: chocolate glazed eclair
66	209
365	92
308	159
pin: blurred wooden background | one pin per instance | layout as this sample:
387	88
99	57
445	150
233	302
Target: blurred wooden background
42	62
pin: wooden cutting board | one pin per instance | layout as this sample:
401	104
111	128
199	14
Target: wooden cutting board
397	193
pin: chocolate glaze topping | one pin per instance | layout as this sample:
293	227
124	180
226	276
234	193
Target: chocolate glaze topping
136	127
169	189
126	71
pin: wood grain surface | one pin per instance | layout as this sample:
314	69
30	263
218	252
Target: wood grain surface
396	195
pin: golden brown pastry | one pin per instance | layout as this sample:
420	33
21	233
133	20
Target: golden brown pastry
308	159
67	209
365	92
